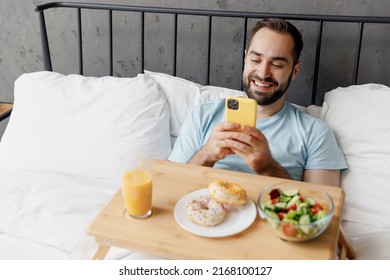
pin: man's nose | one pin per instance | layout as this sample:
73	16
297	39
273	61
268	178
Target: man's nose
263	70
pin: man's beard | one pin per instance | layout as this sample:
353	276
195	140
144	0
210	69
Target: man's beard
263	98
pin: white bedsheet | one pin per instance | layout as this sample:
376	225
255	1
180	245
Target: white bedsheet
369	243
50	212
44	215
13	248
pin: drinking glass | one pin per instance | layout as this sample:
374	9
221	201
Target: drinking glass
136	184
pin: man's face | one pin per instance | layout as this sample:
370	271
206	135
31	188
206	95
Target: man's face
269	66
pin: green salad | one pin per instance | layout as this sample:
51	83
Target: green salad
297	212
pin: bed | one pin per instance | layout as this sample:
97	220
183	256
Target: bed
60	152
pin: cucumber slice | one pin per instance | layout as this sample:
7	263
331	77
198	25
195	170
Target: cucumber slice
280	206
303	209
309	200
274	222
293	200
269	206
291	214
304	223
289	192
283	198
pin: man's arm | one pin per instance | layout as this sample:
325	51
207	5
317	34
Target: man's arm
326	177
274	169
202	158
216	147
248	143
252	146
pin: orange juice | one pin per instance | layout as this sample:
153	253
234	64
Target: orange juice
137	192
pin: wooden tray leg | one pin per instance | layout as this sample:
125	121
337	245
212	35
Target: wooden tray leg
346	249
101	252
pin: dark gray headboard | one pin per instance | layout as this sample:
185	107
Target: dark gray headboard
243	19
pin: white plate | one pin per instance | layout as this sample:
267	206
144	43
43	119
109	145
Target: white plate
237	218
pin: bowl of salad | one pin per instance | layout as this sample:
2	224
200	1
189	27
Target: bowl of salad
295	213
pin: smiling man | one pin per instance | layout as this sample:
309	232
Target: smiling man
286	142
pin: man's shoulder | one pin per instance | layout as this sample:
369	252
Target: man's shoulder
211	106
301	112
307	120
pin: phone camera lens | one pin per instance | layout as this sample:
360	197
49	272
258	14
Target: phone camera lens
233	104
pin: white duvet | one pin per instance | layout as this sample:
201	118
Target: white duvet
54	209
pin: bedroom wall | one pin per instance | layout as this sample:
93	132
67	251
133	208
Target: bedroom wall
20	49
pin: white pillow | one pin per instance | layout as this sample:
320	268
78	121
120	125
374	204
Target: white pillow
183	95
82	125
313	110
360	118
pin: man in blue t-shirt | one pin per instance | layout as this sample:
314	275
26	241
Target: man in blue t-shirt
286	142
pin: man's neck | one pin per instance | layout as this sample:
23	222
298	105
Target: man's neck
269	110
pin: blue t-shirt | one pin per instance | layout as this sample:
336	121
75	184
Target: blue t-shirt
297	140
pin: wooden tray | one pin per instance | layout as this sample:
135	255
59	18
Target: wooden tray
162	236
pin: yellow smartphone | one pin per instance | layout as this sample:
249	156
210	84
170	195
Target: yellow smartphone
241	110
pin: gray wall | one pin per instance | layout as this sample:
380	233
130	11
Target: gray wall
20	49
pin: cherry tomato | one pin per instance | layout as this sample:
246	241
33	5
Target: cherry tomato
292	207
289	230
315	208
281	215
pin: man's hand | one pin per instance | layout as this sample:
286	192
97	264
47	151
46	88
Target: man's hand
252	146
216	147
247	142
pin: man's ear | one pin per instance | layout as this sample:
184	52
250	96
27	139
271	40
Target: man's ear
297	66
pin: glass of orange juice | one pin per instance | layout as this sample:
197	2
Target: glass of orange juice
136	184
